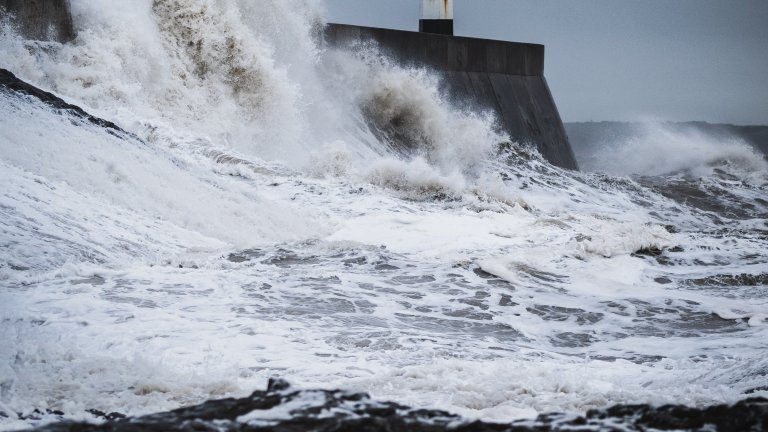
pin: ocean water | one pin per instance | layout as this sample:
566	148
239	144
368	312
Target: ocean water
252	224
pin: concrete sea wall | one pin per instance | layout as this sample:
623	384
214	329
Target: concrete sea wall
41	19
504	77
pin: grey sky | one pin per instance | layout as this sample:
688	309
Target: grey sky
621	59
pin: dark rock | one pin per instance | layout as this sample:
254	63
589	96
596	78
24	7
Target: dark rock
11	84
245	255
649	251
283	409
747	415
45	20
730	280
277	384
38	414
106	416
671	229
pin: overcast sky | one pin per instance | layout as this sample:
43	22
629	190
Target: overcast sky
621	59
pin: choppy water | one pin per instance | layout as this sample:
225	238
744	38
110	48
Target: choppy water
255	226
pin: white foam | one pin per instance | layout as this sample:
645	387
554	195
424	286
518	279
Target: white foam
435	275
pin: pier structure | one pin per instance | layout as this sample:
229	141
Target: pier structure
506	78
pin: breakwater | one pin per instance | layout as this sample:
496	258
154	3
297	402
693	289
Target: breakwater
504	77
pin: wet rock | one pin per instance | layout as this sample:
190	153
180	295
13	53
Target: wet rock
45	20
277	385
283	409
649	251
38	414
747	415
245	256
106	416
671	229
506	300
10	83
659	254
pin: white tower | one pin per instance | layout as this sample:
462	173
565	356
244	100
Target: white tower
436	17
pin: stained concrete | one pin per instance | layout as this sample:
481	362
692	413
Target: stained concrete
506	78
45	20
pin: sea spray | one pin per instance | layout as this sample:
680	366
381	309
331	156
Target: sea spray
264	220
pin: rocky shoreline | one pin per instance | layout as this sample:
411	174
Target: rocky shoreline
12	84
283	409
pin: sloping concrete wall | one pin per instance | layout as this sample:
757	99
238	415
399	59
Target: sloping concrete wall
41	19
504	77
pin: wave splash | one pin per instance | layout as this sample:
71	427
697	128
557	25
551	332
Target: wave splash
284	208
655	148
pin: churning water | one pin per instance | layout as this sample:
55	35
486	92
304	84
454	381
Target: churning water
258	221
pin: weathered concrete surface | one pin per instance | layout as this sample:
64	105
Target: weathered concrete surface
524	107
446	53
47	20
506	78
